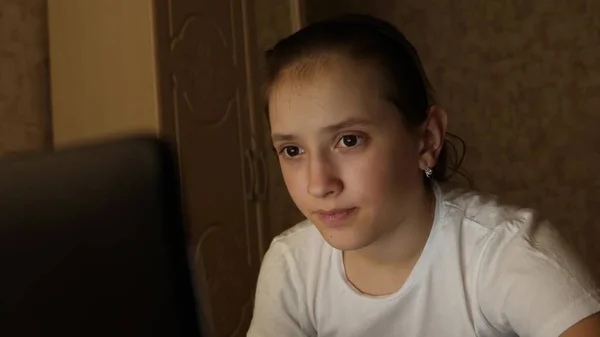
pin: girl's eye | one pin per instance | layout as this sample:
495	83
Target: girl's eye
351	141
291	151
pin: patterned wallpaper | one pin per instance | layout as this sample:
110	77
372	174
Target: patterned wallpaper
521	81
24	83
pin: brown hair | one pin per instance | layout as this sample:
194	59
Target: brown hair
365	38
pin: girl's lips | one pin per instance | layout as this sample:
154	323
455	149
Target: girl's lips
335	217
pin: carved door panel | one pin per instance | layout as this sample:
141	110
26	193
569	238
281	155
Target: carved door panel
205	109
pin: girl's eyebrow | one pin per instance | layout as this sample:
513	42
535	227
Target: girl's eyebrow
282	137
352	121
349	122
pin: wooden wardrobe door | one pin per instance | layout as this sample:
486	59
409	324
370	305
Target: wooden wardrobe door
205	109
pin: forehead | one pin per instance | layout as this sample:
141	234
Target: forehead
343	90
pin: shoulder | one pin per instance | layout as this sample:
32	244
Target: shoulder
282	272
483	222
485	211
528	279
280	307
299	235
296	250
510	230
298	241
509	234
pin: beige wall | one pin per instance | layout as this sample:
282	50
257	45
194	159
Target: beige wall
25	103
102	60
521	80
24	86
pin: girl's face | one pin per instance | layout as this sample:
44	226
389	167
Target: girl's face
349	162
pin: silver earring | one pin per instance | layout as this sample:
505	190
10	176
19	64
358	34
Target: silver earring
428	172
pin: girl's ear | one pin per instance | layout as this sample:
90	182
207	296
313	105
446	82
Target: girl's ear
432	135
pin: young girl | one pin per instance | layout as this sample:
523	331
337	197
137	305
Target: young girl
386	250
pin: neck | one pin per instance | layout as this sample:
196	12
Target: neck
402	245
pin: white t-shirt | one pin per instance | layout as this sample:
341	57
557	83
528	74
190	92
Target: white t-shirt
486	270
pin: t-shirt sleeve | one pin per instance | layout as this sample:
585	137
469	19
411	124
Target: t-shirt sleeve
278	306
531	284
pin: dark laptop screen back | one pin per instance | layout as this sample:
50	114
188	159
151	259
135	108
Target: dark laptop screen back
92	244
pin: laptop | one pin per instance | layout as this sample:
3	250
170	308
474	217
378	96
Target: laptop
92	243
